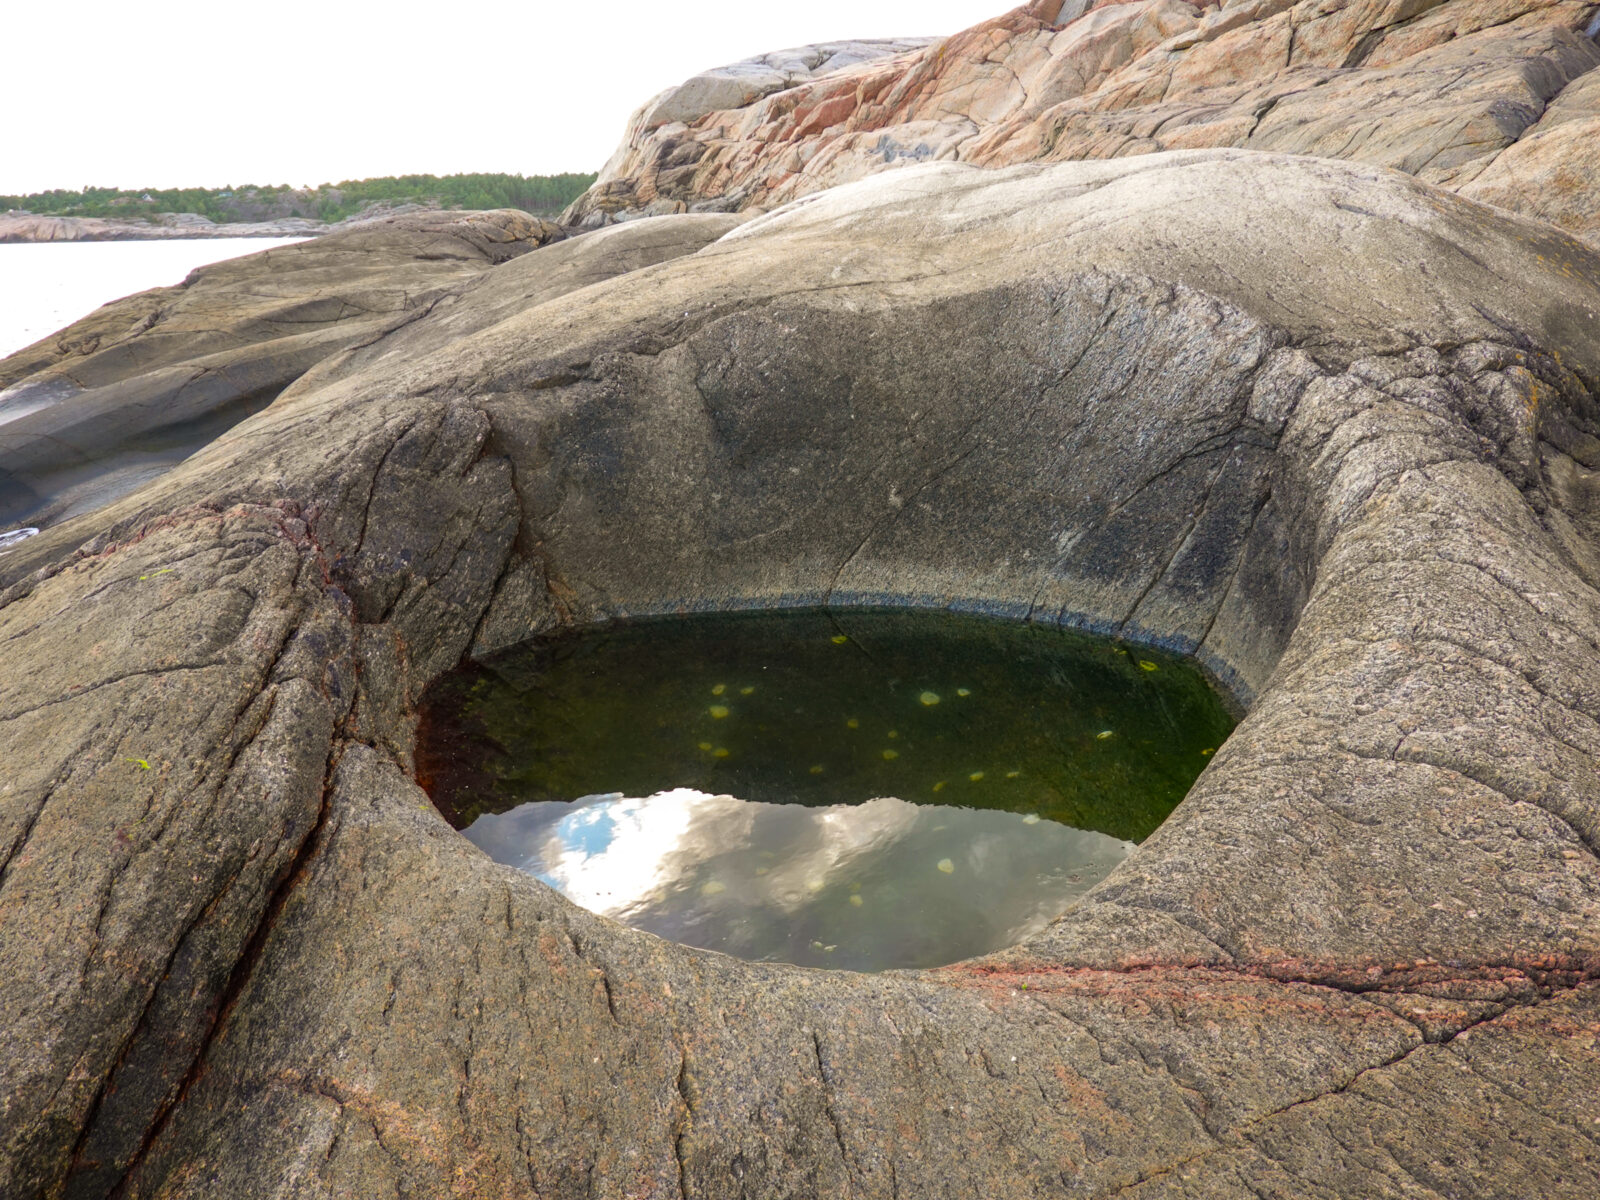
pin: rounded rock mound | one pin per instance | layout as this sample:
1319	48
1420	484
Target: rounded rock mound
1329	429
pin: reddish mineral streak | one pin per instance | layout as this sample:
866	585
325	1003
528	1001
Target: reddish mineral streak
1452	981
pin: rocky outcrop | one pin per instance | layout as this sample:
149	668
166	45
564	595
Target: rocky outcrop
23	227
243	955
1550	171
1492	98
121	395
18	228
743	83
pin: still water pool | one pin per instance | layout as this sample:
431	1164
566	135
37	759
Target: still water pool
842	789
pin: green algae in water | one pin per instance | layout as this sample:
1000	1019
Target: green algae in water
860	789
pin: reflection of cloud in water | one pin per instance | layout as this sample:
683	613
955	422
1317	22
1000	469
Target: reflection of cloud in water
870	886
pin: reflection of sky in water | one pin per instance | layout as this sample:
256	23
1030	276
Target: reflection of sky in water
1021	759
870	886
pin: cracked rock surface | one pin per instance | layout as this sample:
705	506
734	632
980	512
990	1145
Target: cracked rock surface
1341	444
1495	99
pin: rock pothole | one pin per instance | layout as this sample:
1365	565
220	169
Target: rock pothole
244	953
832	788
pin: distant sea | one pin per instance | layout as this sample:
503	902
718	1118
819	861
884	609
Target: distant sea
47	286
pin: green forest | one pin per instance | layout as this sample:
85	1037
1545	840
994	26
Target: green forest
542	194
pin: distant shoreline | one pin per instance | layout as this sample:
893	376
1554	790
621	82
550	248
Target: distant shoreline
31	229
161	214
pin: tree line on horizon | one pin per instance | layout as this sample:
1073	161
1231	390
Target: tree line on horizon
544	195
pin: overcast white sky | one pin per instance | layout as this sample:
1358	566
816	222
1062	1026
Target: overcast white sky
192	94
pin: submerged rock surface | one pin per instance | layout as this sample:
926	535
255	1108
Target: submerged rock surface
1495	99
1340	441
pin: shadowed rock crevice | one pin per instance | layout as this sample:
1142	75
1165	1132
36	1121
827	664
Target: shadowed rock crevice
114	1143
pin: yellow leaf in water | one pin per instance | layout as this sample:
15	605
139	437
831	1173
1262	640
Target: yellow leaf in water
719	689
713	888
891	754
1209	751
939	787
857	901
852	723
948	867
705	745
746	691
1013	774
1031	819
1147	665
975	776
963	691
719	711
894	733
1104	734
720	752
817	770
839	639
929	699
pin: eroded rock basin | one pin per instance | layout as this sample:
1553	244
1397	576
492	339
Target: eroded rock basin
243	954
827	788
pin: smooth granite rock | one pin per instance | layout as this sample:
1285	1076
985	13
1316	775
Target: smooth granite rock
742	83
1493	98
1330	428
116	398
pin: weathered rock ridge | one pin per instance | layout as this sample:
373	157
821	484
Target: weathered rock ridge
1495	99
242	955
121	395
742	83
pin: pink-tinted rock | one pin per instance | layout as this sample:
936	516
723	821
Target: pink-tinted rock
1551	171
1441	89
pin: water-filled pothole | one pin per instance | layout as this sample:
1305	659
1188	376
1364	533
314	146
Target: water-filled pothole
864	790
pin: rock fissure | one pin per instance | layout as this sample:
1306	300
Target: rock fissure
1587	838
684	1122
1180	540
237	980
1237	1135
